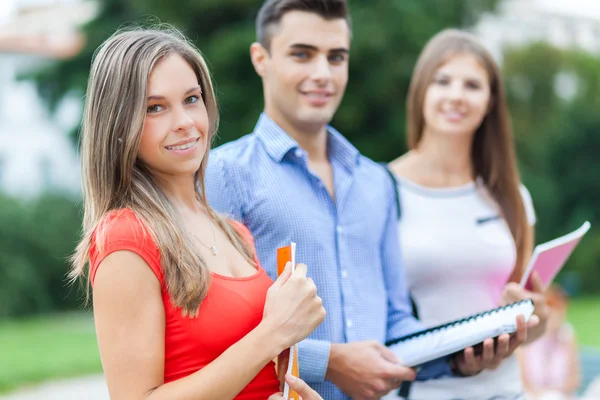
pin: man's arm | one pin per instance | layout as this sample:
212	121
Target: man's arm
400	321
222	192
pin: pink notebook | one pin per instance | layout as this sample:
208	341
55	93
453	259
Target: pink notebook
548	258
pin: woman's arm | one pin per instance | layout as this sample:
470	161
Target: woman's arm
130	324
528	386
574	375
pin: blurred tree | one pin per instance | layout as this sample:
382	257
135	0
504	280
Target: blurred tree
554	97
571	160
388	35
34	253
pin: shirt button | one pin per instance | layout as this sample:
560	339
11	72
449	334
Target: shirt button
344	274
338	229
298	153
349	323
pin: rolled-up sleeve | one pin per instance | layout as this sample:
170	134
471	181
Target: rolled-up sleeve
313	357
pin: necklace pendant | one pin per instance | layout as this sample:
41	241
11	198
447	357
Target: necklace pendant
213	250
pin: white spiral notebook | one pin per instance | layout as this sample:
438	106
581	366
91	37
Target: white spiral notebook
443	340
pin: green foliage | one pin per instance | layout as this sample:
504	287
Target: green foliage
34	246
559	138
388	35
572	162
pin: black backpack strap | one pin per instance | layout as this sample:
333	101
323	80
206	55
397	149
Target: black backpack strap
404	389
396	192
399	213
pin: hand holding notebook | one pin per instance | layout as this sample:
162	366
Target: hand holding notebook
452	337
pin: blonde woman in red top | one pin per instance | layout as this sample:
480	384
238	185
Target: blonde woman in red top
183	310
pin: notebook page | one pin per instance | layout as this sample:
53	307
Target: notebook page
548	258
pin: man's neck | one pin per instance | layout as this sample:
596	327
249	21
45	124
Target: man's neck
315	144
313	139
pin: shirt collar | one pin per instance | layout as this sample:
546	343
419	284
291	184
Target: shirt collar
341	149
274	139
278	143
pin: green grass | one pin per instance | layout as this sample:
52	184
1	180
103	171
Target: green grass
41	348
52	347
584	314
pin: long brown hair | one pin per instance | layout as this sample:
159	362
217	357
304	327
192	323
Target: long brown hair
493	154
114	178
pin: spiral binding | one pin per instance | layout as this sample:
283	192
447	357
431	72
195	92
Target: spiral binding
457	322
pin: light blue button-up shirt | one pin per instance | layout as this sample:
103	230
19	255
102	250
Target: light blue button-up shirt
349	243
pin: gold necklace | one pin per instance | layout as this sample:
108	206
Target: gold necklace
213	248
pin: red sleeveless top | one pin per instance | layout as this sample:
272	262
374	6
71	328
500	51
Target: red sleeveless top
231	309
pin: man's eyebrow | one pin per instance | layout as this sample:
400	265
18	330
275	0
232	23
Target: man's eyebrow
314	48
163	97
340	50
304	46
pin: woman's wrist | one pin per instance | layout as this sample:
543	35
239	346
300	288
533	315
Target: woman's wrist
536	332
270	338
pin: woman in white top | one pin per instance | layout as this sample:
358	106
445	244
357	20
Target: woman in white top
466	224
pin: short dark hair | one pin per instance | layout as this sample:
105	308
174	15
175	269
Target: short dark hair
272	11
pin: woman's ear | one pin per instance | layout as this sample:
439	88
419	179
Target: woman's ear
259	57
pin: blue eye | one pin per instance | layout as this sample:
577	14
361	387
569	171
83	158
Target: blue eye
192	99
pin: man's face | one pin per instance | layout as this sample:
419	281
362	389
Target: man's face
305	70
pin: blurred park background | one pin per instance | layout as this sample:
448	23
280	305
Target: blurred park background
549	51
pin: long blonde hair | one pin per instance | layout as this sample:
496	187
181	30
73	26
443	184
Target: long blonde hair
114	178
493	154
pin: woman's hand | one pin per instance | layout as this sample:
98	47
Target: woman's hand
292	308
300	387
514	292
493	350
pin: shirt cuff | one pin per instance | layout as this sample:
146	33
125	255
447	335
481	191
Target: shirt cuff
313	357
435	369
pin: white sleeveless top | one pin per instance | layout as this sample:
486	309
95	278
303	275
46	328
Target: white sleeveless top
457	255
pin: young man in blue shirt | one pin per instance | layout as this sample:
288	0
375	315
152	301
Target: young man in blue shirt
295	178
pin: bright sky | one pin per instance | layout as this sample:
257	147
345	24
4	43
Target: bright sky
6	8
575	7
